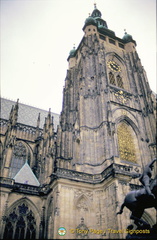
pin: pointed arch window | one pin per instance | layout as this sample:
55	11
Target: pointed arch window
126	143
19	157
120	82
116	80
20	224
112	78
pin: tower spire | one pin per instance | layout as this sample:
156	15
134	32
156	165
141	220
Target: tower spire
38	121
14	113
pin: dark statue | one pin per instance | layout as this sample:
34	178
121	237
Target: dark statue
137	201
146	177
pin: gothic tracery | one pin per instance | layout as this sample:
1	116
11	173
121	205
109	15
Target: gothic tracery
19	157
20	223
126	143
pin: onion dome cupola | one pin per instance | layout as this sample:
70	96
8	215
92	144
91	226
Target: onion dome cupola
90	21
96	14
128	38
95	19
72	53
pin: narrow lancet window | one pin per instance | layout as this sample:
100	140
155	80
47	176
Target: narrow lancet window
120	82
19	157
126	143
112	79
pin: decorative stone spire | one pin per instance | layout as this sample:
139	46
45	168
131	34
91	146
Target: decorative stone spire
48	131
38	124
50	124
38	121
49	117
14	114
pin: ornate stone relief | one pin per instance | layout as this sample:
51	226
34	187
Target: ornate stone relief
82	204
121	97
93	178
79	192
82	230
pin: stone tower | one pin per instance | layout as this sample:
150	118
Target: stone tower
107	128
107	100
80	173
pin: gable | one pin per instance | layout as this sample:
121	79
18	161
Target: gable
26	176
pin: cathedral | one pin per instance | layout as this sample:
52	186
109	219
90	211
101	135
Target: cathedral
65	176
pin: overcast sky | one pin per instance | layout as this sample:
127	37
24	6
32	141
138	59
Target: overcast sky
37	36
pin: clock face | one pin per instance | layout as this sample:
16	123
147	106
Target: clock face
114	66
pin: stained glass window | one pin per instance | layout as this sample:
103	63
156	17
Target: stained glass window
20	224
126	143
19	157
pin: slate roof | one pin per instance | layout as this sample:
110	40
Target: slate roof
26	176
27	115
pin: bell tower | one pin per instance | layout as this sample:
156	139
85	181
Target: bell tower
107	114
106	135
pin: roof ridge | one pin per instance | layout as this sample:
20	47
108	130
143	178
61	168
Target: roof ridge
29	105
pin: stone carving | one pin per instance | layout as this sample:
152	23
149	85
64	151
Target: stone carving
82	205
12	141
80	192
26	129
82	230
122	182
121	97
93	178
3	123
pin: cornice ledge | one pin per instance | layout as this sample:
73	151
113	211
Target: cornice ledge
112	170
